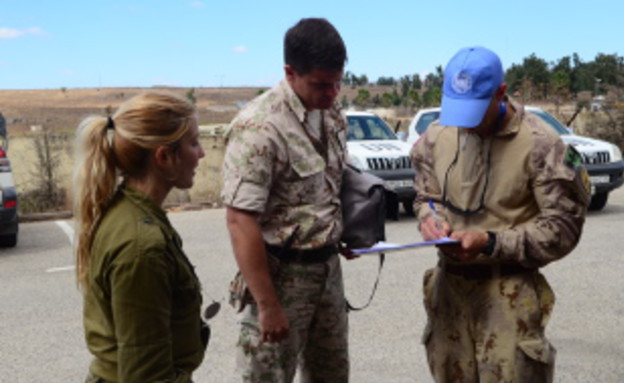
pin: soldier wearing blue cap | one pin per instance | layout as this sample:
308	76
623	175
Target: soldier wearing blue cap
515	195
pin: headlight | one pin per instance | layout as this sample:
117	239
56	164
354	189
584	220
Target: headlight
353	160
617	154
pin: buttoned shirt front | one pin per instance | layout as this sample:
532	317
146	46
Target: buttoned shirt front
273	166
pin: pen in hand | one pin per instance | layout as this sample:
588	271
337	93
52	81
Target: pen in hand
441	232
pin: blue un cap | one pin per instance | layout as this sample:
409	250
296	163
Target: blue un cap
470	79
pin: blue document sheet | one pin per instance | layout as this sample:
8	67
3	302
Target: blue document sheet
385	247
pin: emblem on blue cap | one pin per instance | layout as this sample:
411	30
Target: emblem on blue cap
462	82
471	79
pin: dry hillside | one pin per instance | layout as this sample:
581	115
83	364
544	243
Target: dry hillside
63	109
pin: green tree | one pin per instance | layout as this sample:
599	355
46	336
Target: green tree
347	78
190	95
386	81
416	82
432	97
514	77
583	76
433	80
362	98
376	100
406	85
413	97
608	68
344	102
536	70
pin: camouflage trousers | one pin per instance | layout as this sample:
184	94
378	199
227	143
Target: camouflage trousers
312	296
488	330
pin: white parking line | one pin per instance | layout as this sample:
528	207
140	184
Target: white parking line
69	231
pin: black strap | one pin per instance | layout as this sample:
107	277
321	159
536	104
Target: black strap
350	307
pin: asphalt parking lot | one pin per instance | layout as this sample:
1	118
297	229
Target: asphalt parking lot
40	306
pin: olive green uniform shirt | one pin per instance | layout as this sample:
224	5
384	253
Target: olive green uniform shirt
142	304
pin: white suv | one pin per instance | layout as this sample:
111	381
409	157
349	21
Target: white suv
374	148
602	159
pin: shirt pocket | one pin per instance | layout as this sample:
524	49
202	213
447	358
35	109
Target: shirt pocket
306	181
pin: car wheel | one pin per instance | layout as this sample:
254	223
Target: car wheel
408	206
8	240
392	206
598	201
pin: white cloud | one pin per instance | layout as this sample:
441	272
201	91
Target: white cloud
240	49
7	33
67	73
196	4
10	33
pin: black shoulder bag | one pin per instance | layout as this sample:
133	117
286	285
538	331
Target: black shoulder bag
363	199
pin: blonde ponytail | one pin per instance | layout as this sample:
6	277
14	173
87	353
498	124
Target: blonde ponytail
94	185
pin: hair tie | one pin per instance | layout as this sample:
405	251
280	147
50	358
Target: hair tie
110	124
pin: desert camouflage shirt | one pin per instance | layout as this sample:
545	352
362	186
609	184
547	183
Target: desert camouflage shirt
273	167
533	187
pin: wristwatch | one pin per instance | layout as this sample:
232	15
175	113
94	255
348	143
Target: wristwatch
491	243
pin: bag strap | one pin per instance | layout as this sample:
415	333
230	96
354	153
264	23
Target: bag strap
350	307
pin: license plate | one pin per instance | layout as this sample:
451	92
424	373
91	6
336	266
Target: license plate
597	180
398	184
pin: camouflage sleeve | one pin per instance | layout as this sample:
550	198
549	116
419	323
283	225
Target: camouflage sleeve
425	183
561	189
247	166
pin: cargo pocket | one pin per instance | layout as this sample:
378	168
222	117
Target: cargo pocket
536	362
428	282
546	297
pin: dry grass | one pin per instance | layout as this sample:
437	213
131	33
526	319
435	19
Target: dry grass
61	110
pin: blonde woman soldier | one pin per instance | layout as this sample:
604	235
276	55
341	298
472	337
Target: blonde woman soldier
141	296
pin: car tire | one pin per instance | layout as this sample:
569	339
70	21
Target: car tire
408	206
598	201
8	240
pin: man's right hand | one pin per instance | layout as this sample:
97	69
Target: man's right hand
274	325
432	229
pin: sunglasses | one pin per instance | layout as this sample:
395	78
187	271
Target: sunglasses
212	310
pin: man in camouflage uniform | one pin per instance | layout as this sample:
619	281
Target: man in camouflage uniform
507	187
282	176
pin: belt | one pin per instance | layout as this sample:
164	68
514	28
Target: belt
318	255
485	271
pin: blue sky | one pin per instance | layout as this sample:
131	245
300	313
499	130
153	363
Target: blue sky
80	44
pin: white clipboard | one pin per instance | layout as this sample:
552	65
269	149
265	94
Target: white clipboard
385	247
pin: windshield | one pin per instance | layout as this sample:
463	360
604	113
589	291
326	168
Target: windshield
368	128
426	120
552	121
